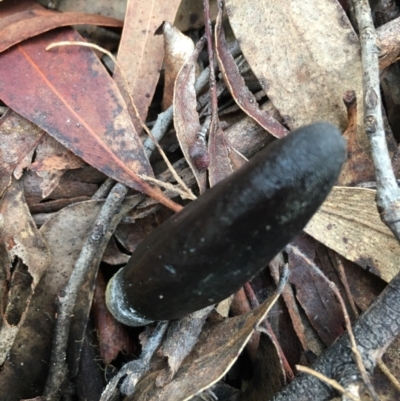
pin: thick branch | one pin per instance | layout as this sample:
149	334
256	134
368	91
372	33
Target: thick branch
374	331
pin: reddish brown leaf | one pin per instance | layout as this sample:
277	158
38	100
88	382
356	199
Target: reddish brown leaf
290	301
141	53
23	25
322	308
80	107
186	118
9	7
236	85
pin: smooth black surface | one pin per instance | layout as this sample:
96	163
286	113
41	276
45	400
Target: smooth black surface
210	249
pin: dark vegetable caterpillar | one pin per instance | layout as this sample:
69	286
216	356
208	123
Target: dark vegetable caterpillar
214	245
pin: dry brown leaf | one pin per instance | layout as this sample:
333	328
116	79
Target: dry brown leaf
297	53
247	136
177	50
364	286
113	255
237	86
268	377
186	118
115	9
51	162
18	139
83	110
67	188
51	155
25	369
217	349
21	239
27	19
140	53
291	304
179	341
348	222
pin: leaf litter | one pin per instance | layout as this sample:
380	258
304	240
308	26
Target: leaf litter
82	109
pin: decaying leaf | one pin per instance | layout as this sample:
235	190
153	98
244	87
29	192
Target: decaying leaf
113	255
24	372
21	239
218	347
51	155
18	139
322	308
51	162
179	341
186	118
66	189
297	54
349	223
268	377
177	50
305	337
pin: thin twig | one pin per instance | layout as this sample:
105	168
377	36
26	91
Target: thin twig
327	380
58	367
167	185
388	192
104	189
343	278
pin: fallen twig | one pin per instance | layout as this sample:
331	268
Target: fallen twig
58	367
373	332
331	382
134	370
388	192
